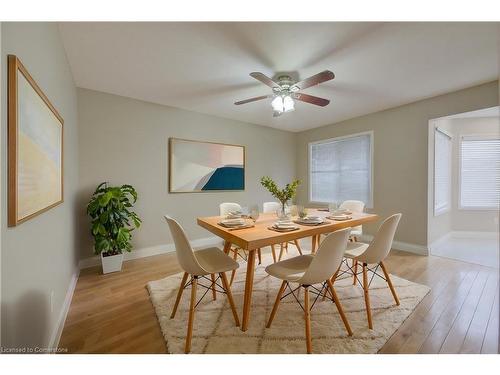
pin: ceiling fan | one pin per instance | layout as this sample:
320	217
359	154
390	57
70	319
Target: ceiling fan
285	90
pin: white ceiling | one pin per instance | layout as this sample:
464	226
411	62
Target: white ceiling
204	67
480	113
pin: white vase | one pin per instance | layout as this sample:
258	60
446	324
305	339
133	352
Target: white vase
111	263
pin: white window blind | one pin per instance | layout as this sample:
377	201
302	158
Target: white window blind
341	169
479	173
442	172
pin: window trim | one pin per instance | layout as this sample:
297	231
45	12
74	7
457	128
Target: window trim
369	205
442	210
476	137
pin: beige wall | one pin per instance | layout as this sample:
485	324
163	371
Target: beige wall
125	141
38	256
400	154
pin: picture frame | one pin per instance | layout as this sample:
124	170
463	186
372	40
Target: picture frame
35	147
204	167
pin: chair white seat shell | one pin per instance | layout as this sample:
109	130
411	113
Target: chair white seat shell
196	265
374	253
213	260
268	207
227	207
307	270
290	269
355	249
356	207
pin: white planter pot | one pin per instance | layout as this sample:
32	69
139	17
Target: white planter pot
111	263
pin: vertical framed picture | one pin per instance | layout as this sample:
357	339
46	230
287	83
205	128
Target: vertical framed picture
35	147
196	167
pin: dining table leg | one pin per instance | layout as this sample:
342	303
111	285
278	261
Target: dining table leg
227	247
314	241
247	300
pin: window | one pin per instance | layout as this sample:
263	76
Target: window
479	172
442	172
341	169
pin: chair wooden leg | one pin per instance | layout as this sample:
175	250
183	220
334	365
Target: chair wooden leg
282	250
194	284
391	287
214	292
179	294
259	254
339	307
233	273
297	246
227	288
307	317
367	296
333	278
273	250
355	276
276	304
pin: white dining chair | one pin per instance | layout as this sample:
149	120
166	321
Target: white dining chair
273	207
228	207
225	209
374	254
356	207
309	270
197	265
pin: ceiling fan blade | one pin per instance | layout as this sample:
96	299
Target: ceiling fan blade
265	80
313	80
253	99
311	99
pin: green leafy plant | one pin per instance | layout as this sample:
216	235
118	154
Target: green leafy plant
112	219
283	195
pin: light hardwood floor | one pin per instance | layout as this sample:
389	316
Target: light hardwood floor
112	313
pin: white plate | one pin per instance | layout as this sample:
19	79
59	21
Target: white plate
233	222
284	226
340	217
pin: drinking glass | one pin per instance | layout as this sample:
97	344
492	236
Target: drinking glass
332	207
254	213
302	211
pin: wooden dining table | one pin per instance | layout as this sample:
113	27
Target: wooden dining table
259	236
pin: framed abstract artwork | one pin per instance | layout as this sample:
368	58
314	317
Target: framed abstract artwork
196	167
35	147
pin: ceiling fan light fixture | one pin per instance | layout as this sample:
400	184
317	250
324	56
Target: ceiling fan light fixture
277	104
288	104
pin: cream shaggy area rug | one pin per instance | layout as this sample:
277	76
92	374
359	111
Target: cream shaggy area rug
215	331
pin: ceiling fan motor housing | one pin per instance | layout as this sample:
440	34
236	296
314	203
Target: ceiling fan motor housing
285	82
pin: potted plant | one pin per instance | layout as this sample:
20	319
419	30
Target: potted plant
112	223
283	195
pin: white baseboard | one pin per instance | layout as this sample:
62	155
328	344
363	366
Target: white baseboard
399	245
468	234
57	332
152	250
436	243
